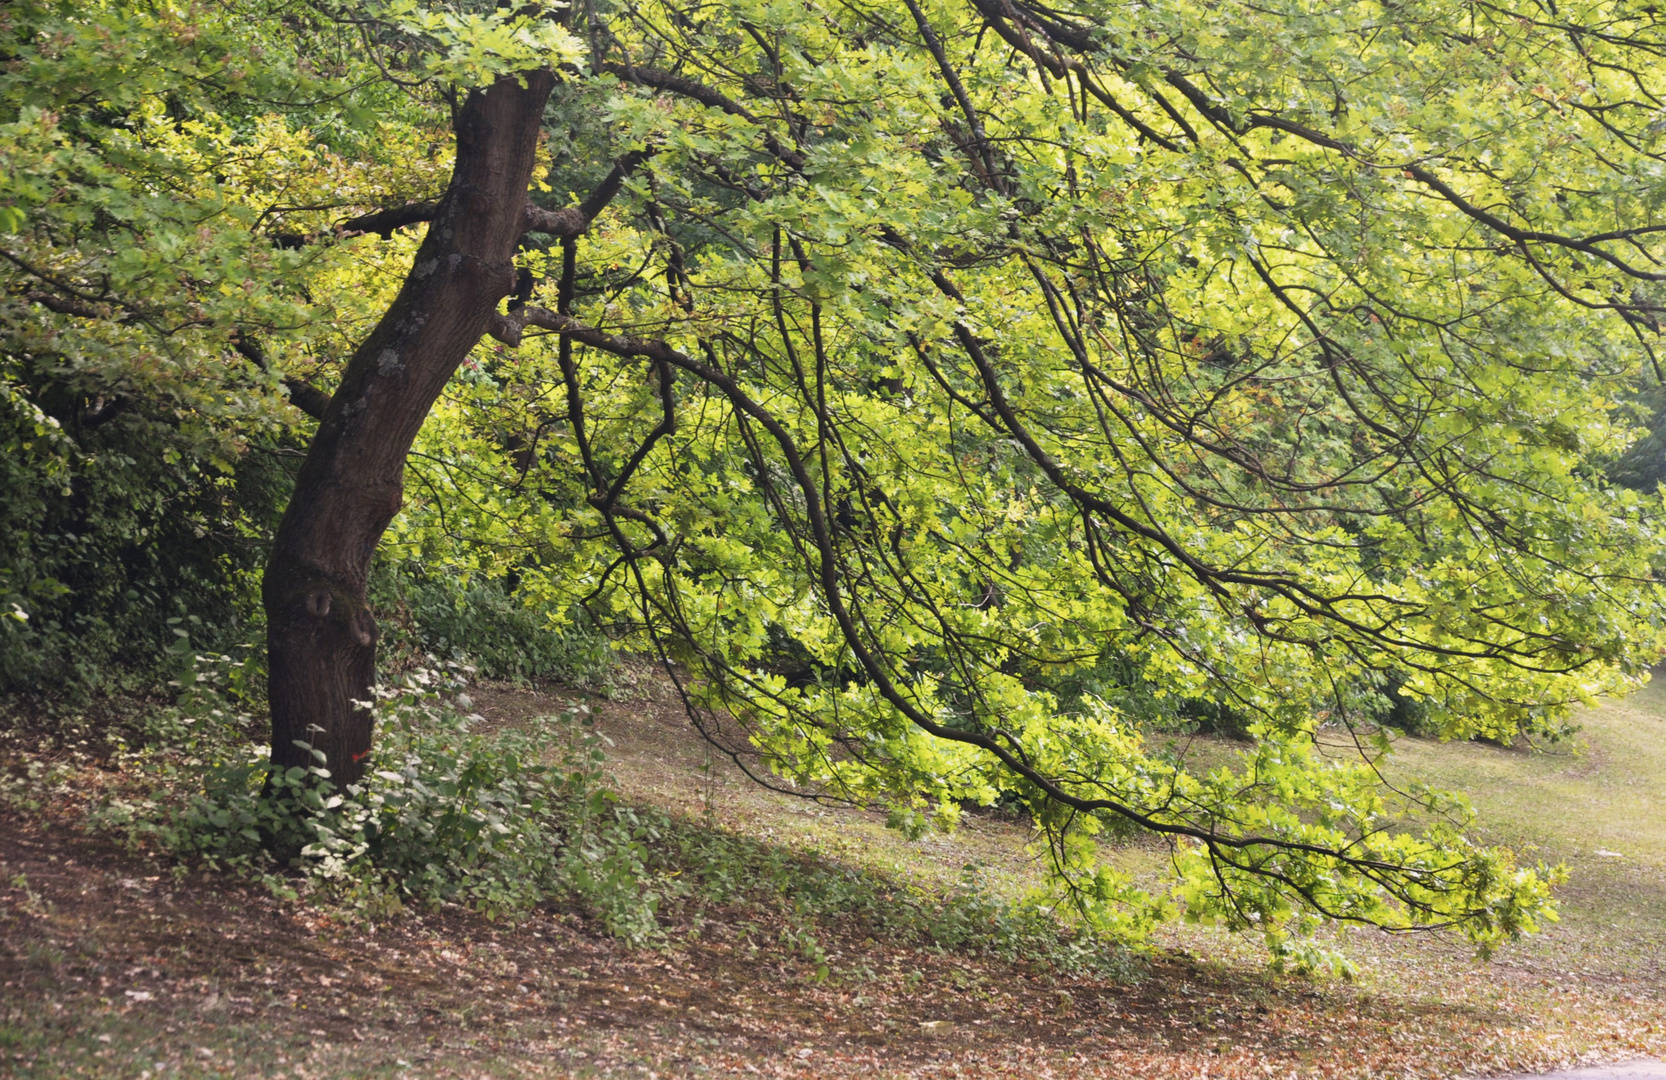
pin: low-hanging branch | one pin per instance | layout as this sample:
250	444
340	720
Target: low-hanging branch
1002	745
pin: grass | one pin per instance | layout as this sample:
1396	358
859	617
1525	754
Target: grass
1595	803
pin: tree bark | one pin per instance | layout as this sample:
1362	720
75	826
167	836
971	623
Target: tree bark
321	634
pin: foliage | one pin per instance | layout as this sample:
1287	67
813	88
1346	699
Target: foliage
142	452
483	624
957	394
146	449
109	548
1156	346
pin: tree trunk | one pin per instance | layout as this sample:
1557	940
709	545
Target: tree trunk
321	634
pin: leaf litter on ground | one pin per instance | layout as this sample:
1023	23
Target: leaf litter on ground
115	964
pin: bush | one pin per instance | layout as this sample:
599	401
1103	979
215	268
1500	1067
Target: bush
108	533
444	814
1405	713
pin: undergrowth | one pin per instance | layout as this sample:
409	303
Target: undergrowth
483	623
503	823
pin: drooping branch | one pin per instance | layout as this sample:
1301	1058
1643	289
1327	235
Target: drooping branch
980	147
676	84
1003	746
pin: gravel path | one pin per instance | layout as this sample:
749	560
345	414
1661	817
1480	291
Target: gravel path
1641	1069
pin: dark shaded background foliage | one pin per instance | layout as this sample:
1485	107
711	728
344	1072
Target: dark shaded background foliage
120	533
122	543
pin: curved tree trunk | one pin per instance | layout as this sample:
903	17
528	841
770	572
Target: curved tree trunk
321	634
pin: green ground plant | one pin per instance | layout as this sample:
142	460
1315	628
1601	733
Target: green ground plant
506	821
444	816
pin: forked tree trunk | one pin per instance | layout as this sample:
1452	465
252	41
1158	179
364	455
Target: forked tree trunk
321	634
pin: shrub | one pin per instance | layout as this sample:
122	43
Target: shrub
443	815
107	534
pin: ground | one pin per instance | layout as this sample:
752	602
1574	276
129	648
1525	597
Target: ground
113	964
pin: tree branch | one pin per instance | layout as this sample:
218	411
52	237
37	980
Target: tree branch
383	223
683	86
302	394
63	305
306	397
101	412
571	221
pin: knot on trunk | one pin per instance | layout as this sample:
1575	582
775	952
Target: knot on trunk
335	606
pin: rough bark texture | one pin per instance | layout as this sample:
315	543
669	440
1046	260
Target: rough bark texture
321	634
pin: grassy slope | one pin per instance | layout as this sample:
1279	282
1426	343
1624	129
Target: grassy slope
1597	804
240	986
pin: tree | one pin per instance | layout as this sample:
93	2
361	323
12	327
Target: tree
954	393
321	635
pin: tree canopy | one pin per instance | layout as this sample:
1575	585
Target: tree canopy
957	394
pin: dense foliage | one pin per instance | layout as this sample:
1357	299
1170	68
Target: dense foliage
957	392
